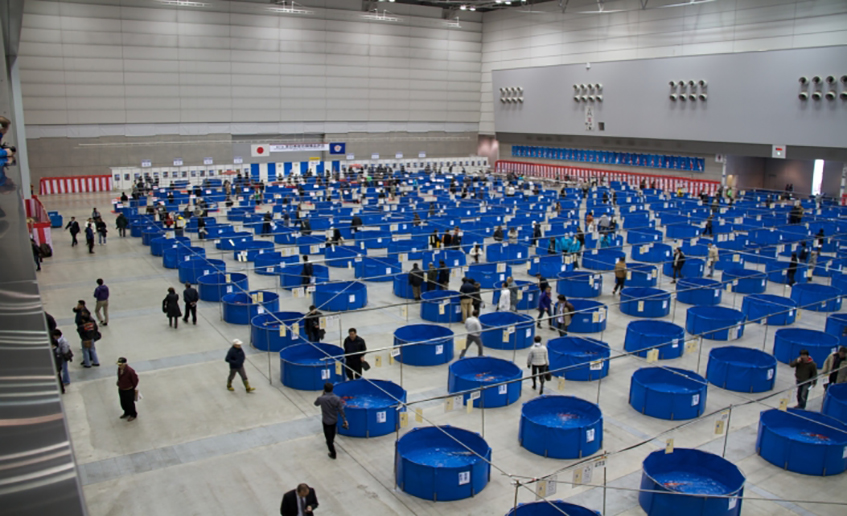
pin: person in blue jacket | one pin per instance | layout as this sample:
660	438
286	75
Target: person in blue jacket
545	306
89	238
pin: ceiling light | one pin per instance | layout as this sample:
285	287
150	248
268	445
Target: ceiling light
383	16
183	3
472	8
464	7
289	8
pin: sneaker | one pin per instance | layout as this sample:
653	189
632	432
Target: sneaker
130	418
87	366
96	365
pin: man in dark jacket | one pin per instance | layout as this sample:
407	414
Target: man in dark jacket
356	223
190	296
89	238
443	275
805	372
127	389
307	272
235	358
498	234
122	223
73	226
431	278
466	299
312	324
267	219
416	279
354	351
331	407
299	502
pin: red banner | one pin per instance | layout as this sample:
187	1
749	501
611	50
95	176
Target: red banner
75	184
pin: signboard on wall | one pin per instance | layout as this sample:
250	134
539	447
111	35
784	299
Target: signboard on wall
778	151
177	162
422	154
374	156
146	163
238	160
208	161
350	157
589	118
399	155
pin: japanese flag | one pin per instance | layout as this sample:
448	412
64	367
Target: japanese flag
260	150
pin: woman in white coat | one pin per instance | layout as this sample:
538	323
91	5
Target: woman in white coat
538	362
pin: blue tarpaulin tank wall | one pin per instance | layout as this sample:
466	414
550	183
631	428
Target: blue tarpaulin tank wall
641	275
745	281
589	316
819	298
193	269
835	325
433	344
835	402
561	427
489	275
788	342
668	393
578	358
241	307
476	373
159	244
779	310
642	336
307	367
714	322
291	276
507	330
213	287
341	296
442	463
802	441
265	334
645	302
371	407
741	369
692	472
699	291
579	284
173	257
441	306
551	508
528	297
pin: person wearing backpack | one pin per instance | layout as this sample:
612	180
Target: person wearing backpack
63	349
89	334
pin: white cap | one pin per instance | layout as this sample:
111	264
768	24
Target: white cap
236	342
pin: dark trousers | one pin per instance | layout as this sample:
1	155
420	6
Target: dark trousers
90	244
306	280
313	332
329	433
541	371
416	292
677	272
619	282
354	369
128	402
73	239
791	277
803	394
190	309
122	232
545	313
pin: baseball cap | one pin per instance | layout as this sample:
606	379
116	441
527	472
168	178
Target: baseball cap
236	342
122	360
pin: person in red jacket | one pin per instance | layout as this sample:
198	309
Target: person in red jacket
127	389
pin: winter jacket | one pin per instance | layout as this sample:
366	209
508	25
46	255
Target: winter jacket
504	305
545	302
170	305
235	358
190	295
357	347
537	356
804	370
713	254
829	367
416	277
467	290
620	270
432	275
444	276
89	233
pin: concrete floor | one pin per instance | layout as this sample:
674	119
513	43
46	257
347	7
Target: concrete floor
198	449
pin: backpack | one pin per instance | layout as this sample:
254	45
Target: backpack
69	356
45	250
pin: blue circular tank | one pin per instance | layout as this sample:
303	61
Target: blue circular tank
818	298
342	255
641	275
695	473
835	325
149	233
715	322
441	306
487	274
242	307
551	508
579	284
213	287
699	291
580	359
835	402
549	265
377	269
777	272
341	296
265	334
402	288
739	369
507	330
693	268
451	257
190	271
527	297
442	463
653	252
645	302
602	259
514	254
433	344
307	367
372	407
589	317
788	342
805	442
159	244
174	257
561	427
642	336
745	281
291	276
668	393
773	310
478	373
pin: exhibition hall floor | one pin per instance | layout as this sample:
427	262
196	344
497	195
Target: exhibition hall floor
198	449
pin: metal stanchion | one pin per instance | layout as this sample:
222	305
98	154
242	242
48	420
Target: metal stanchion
726	430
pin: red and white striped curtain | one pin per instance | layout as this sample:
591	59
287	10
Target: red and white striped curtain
75	184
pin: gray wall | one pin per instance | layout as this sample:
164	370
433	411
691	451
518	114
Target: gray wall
774	174
749	172
752	98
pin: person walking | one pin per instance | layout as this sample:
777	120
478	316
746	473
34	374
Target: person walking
73	227
190	296
59	362
36	253
331	408
267	219
312	324
354	351
431	278
89	334
476	296
791	271
102	230
835	366
504	304
63	349
170	306
299	502
538	362
474	328
307	271
564	312
121	223
466	298
805	372
712	258
416	279
101	294
235	358
443	275
127	389
677	263
513	294
89	238
620	275
545	307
